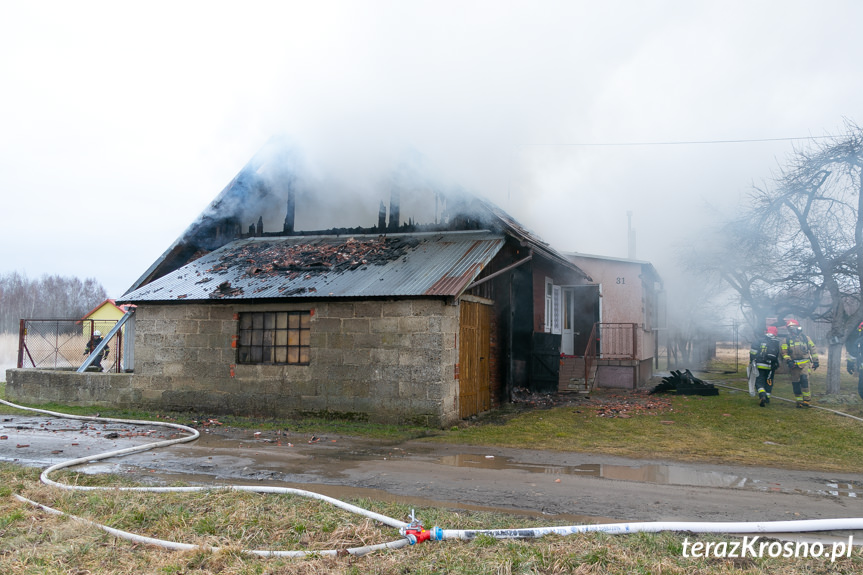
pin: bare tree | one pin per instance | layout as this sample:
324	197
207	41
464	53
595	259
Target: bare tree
51	296
795	250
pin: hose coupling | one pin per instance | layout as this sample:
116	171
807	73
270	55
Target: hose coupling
419	535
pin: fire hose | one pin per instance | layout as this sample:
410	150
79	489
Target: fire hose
412	532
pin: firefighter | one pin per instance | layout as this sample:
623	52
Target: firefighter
764	353
91	345
854	347
799	353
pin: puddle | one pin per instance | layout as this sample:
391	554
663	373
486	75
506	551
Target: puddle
660	474
216	458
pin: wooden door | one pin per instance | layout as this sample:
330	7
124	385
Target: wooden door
473	358
545	362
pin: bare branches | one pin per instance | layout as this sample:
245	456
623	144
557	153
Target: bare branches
48	297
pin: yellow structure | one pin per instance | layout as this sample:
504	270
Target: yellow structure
104	316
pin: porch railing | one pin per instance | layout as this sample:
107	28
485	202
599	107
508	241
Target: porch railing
590	356
617	340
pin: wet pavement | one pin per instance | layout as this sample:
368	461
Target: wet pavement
572	487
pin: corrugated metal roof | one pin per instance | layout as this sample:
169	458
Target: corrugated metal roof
431	264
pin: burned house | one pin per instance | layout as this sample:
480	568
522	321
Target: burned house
396	322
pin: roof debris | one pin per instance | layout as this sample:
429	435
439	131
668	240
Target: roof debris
226	290
439	264
307	260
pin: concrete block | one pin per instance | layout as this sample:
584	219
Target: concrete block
397	308
427	307
369	341
356	325
198	340
369	309
382	357
326	324
414	324
384	325
340	310
356	357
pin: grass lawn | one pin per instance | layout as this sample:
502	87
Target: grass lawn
37	543
730	427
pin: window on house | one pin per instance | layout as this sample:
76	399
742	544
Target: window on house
278	337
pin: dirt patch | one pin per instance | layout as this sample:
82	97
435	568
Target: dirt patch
606	402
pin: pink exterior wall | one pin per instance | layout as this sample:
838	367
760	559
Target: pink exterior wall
623	296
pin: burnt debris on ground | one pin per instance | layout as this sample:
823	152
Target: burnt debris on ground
684	383
605	402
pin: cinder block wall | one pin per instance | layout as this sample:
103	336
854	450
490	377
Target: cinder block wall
381	361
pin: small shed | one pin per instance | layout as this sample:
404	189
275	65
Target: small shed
103	316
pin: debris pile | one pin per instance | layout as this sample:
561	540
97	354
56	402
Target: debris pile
225	289
293	260
684	383
524	395
630	405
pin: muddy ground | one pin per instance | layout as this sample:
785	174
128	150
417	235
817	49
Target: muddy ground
571	487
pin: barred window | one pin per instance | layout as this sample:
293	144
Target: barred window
278	337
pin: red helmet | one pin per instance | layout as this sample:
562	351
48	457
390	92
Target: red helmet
792	323
860	327
771	330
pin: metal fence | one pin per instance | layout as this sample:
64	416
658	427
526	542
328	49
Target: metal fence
62	343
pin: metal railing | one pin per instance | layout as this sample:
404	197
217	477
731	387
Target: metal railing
590	357
62	344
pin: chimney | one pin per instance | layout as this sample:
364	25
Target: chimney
289	216
630	236
382	217
394	211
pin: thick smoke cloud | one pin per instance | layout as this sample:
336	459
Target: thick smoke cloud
113	143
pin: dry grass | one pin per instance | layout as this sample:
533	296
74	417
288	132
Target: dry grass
8	353
33	542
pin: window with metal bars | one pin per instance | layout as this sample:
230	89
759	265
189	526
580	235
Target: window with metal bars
274	337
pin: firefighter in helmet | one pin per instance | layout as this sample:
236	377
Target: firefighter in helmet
91	345
765	354
799	354
854	347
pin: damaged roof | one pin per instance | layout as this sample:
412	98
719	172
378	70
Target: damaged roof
264	186
419	264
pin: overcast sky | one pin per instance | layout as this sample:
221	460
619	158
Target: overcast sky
120	122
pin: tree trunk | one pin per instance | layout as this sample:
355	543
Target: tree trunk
834	367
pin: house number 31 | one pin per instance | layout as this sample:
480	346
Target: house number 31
621	280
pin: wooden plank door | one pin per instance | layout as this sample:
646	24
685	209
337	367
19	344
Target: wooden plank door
473	354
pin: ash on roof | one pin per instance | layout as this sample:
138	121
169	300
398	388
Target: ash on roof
291	261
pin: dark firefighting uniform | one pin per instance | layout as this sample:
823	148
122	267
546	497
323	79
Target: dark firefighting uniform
765	354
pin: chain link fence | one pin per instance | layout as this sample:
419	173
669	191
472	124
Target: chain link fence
62	344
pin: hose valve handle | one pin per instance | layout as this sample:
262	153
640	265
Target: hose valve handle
415	532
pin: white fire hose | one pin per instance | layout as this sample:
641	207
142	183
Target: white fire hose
412	532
